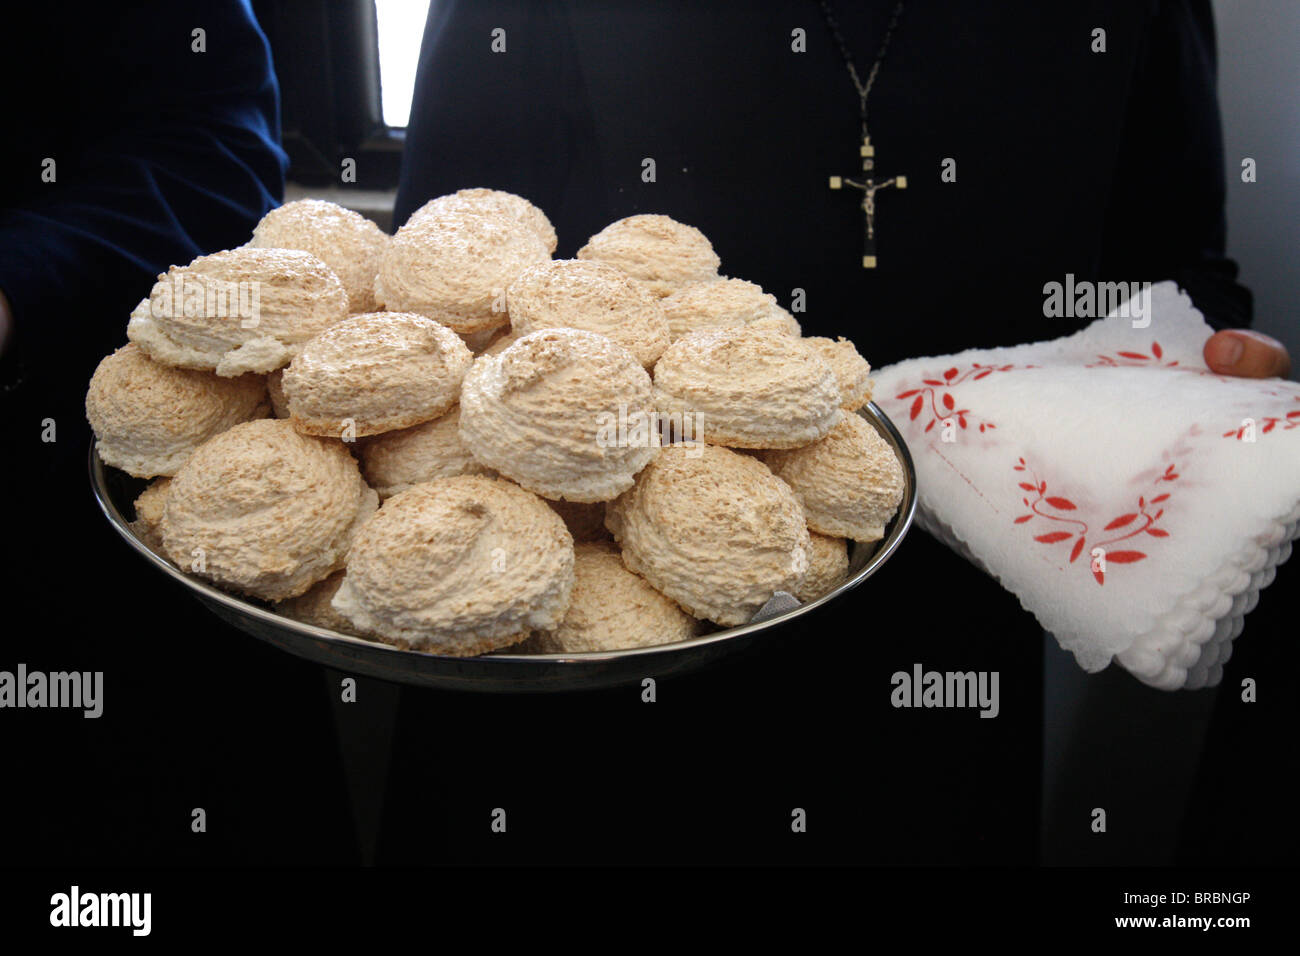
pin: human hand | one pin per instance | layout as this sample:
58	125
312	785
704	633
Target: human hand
1246	354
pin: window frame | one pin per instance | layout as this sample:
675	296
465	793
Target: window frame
326	57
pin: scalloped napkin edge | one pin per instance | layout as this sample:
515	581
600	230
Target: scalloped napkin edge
1024	492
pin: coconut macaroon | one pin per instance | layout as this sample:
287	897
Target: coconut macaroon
850	483
315	607
459	566
455	267
148	417
850	368
346	241
828	566
721	303
712	529
577	294
747	388
265	510
507	207
612	609
563	412
658	251
394	461
242	310
374	373
149	511
503	341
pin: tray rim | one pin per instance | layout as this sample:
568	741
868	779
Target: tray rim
899	526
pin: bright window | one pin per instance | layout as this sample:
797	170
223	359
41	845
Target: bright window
401	27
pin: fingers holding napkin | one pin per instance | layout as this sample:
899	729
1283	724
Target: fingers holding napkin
1135	501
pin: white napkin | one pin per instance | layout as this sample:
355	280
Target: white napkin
1120	439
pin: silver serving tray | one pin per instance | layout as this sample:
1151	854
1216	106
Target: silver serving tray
115	492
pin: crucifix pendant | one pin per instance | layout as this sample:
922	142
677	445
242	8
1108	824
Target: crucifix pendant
869	186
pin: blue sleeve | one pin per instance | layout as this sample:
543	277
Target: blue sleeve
161	153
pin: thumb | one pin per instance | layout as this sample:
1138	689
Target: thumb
1246	354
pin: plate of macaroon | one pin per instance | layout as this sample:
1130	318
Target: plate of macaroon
446	458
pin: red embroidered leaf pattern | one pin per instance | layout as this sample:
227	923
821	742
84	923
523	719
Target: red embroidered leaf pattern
1110	361
1268	423
1129	524
1124	557
951	377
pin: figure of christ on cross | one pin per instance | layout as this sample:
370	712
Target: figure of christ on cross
868	185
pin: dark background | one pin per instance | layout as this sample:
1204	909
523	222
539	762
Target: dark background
199	715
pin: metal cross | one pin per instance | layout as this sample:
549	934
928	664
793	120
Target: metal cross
869	186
